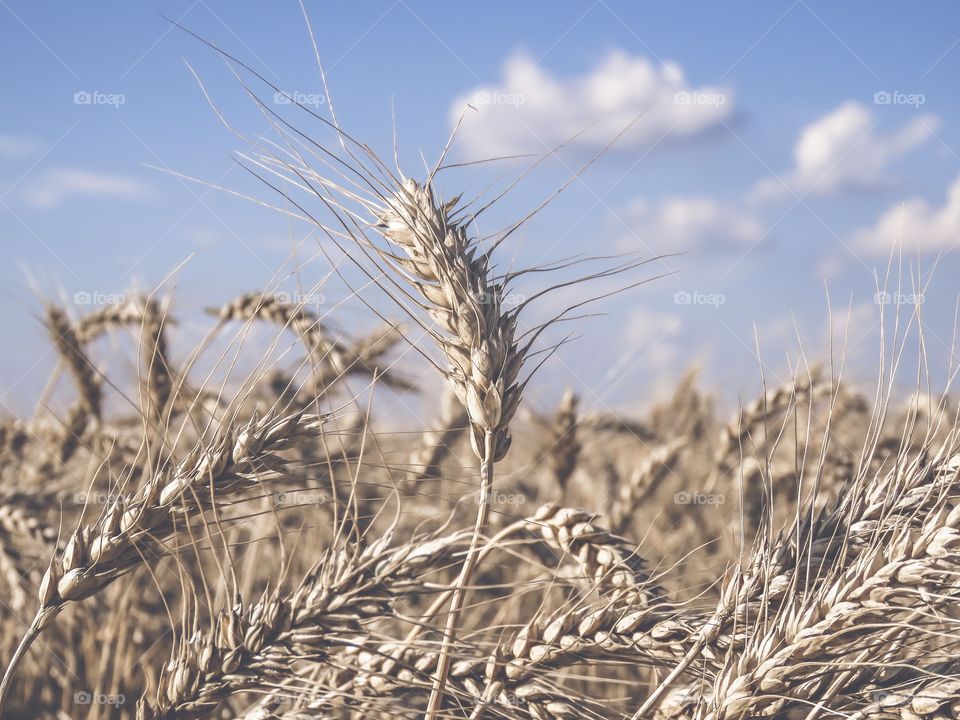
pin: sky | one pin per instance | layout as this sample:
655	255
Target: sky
768	158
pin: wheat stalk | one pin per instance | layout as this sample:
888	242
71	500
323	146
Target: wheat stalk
477	337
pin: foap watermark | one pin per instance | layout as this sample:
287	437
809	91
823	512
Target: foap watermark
695	297
497	97
95	698
294	498
897	298
95	498
895	97
301	298
95	297
98	97
297	97
503	498
504	699
700	97
506	300
685	497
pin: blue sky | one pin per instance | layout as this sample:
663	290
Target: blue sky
784	147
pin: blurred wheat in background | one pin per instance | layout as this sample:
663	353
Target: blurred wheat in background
223	537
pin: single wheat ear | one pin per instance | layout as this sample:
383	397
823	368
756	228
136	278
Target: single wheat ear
476	333
476	329
564	447
609	563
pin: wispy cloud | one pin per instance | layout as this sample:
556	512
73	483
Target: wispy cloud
843	151
64	183
916	223
684	223
531	110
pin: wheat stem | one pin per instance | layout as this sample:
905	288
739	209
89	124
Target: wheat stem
25	642
463	581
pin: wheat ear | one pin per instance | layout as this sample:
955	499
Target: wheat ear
71	350
564	449
754	417
610	563
651	636
148	315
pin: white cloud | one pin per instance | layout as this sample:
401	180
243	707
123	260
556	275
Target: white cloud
843	151
64	183
18	145
915	223
532	111
678	223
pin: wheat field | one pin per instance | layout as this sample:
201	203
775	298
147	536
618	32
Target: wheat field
208	539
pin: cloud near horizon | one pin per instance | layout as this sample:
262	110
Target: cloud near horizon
531	110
